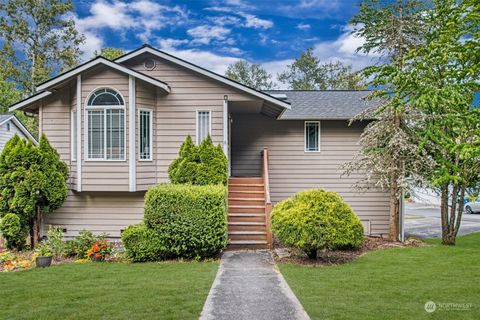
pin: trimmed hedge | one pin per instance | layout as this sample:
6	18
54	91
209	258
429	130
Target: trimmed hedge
200	165
190	220
12	231
142	244
316	219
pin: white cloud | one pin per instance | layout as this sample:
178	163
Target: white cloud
252	21
303	26
205	34
208	60
92	43
145	16
169	43
344	49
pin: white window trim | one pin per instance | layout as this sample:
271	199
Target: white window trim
209	124
103	108
151	134
305	136
73	135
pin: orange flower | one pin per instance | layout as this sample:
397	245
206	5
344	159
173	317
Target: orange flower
98	255
95	248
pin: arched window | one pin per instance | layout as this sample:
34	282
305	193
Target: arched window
106	125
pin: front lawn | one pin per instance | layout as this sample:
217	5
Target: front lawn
170	290
394	283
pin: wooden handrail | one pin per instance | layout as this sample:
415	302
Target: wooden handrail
266	178
268	202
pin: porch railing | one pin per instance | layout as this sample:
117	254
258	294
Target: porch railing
268	202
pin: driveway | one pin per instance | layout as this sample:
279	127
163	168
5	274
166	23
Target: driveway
423	221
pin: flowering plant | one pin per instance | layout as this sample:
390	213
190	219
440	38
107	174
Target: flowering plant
100	250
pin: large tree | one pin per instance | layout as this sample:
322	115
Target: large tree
250	74
307	72
38	38
440	79
388	152
109	53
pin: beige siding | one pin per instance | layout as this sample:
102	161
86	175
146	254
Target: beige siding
175	113
145	99
292	169
104	175
108	212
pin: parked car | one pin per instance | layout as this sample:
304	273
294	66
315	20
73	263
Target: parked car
472	206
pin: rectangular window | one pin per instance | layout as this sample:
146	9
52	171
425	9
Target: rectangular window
203	125
73	127
312	136
106	134
145	134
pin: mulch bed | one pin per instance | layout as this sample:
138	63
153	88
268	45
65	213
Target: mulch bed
327	257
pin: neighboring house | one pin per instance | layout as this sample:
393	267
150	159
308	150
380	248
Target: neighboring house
9	126
118	125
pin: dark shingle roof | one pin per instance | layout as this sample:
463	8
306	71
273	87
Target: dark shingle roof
330	104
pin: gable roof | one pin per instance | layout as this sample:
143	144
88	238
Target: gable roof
161	54
4	118
101	60
328	105
44	86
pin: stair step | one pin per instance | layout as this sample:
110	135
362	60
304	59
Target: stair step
247	191
246	223
246	199
245	184
248	242
245	206
242	214
246	232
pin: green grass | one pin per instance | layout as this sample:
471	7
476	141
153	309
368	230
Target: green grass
172	290
393	283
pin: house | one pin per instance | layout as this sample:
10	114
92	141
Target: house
9	126
118	125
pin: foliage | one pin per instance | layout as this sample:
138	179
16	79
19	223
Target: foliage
32	180
389	153
100	250
142	244
440	80
250	74
43	249
316	219
6	256
109	53
15	264
12	231
308	73
199	165
191	221
70	248
55	240
38	39
85	241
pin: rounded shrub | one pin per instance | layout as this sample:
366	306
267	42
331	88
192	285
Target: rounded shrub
190	220
142	244
316	219
12	231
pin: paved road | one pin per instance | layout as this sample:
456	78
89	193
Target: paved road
248	286
424	221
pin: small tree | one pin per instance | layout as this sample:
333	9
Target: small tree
109	53
32	180
250	74
199	165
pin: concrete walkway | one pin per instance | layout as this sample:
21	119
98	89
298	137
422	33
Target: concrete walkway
248	286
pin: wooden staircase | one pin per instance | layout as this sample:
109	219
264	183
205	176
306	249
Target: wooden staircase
248	213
